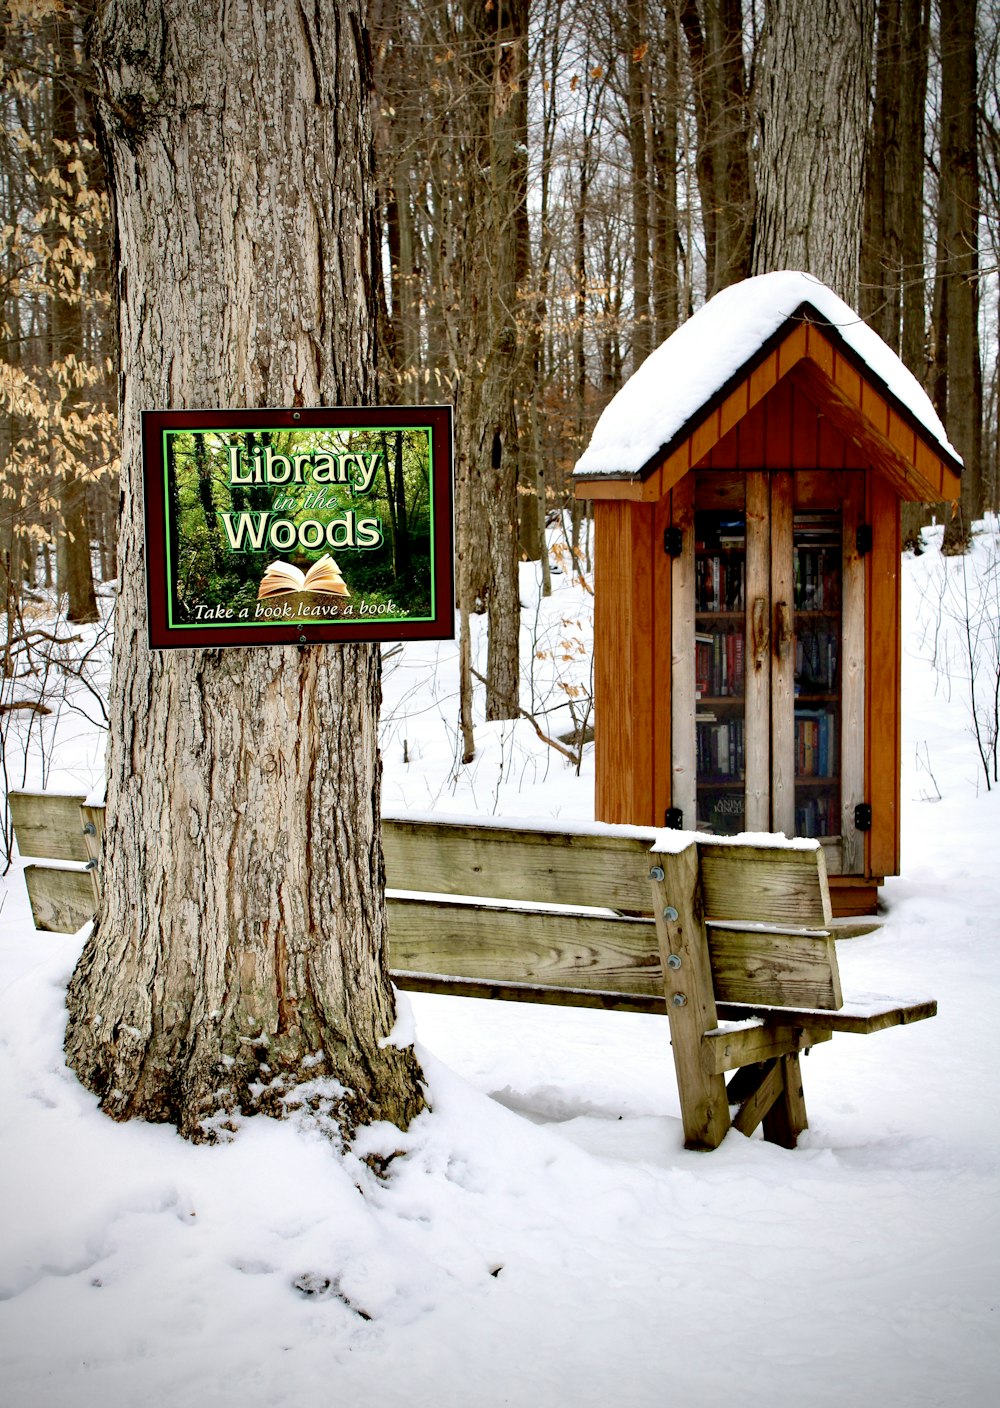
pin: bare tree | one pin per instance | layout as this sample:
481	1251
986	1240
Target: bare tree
958	388
892	254
714	31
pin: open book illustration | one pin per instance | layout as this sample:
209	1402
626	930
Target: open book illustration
323	576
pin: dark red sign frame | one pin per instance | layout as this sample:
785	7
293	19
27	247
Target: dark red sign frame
168	631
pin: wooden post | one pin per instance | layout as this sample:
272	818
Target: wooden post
92	825
782	657
687	985
786	1119
683	783
757	674
852	671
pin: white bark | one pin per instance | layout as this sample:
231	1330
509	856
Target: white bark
813	103
241	942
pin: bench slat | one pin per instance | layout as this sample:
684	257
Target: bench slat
727	1048
48	825
859	1016
782	969
530	992
771	885
61	899
447	858
523	945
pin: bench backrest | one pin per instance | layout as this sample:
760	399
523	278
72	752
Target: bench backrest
599	867
515	908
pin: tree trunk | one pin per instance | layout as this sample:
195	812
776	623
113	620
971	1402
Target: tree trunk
958	258
892	286
892	255
636	99
698	60
730	140
487	442
915	42
664	109
814	92
75	571
238	961
878	301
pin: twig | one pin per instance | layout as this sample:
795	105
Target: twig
25	704
523	713
38	634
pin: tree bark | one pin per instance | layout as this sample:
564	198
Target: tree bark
238	961
75	571
664	112
714	35
636	102
958	259
487	438
892	283
892	247
814	97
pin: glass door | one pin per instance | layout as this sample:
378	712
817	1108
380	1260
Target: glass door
768	678
817	661
817	552
720	669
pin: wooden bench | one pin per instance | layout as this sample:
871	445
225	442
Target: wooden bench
734	942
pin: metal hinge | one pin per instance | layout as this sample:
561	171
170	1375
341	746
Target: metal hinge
673	818
863	817
673	542
863	539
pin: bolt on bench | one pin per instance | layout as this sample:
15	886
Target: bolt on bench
731	938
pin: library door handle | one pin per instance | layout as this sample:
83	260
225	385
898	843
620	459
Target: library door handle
760	633
783	629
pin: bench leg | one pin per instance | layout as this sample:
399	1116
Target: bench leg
687	983
770	1093
786	1119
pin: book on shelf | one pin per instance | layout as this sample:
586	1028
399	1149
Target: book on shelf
721	814
323	576
719	747
817	816
815	743
703	665
719	583
719	664
817	578
816	660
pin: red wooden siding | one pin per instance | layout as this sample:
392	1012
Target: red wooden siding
882	680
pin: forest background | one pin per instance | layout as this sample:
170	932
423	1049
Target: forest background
559	186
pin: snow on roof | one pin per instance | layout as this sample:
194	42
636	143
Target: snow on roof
694	363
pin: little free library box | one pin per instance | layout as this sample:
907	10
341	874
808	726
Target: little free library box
746	484
280	527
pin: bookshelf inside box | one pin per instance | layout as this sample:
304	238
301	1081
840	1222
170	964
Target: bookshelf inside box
720	670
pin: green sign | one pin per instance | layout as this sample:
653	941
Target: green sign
298	526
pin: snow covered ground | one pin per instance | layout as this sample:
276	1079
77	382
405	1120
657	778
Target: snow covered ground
542	1237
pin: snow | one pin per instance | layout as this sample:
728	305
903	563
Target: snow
672	842
678	378
541	1238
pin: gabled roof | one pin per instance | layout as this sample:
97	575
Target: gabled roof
726	359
